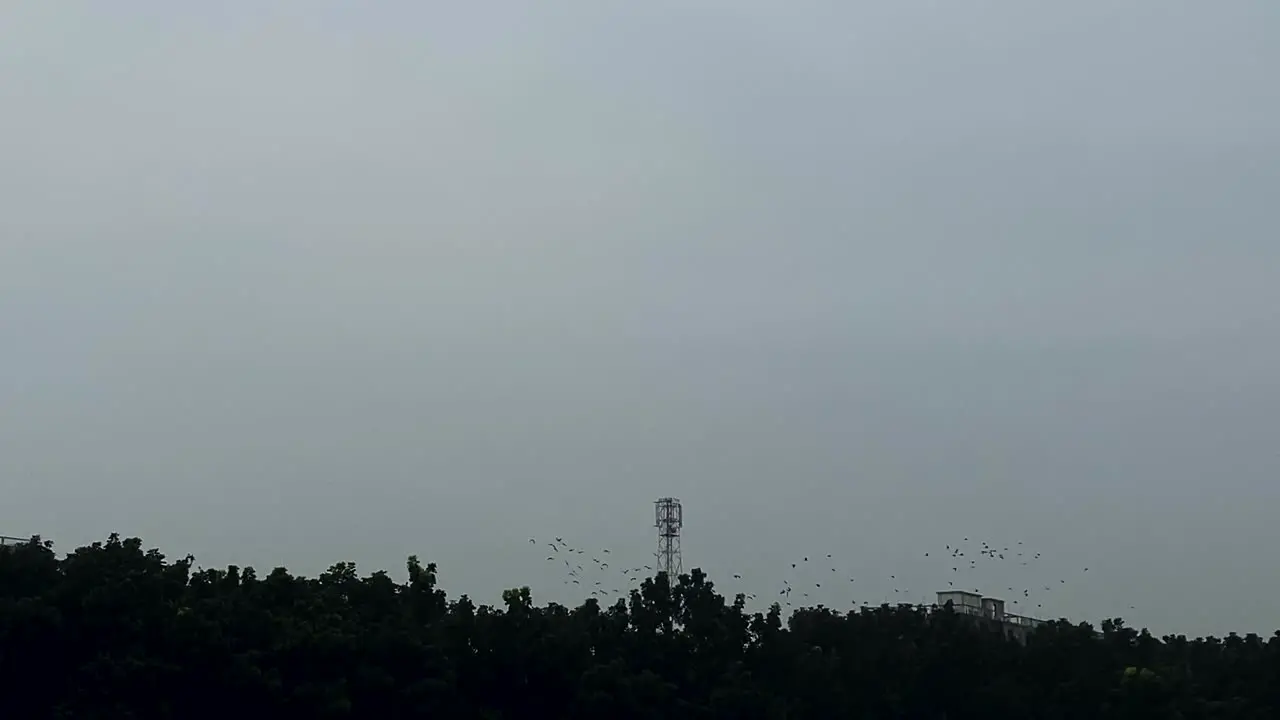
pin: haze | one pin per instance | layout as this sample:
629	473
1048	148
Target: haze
288	283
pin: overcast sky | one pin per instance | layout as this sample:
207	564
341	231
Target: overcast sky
288	283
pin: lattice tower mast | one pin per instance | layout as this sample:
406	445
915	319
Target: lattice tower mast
668	519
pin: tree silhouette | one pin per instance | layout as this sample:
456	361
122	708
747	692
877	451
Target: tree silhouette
116	631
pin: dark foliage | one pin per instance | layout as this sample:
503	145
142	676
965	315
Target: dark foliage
114	631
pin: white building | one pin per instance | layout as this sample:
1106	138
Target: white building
988	608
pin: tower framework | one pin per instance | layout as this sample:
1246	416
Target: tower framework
668	519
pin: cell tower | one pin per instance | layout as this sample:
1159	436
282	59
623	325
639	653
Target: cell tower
669	518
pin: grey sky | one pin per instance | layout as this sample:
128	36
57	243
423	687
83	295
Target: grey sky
297	282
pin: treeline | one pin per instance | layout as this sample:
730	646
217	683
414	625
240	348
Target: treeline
116	631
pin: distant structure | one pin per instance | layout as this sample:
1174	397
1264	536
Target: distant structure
6	540
668	519
990	611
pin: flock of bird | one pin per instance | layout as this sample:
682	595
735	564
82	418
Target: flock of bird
822	580
591	570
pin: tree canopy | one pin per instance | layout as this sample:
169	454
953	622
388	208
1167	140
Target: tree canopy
116	631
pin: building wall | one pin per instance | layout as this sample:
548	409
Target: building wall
960	598
990	613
